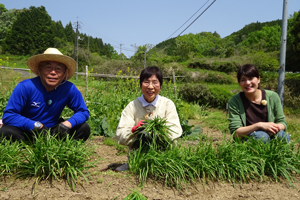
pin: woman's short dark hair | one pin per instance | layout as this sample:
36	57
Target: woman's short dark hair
150	71
248	70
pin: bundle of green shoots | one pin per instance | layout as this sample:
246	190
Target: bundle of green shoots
153	133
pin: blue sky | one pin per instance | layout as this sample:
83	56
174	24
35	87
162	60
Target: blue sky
139	22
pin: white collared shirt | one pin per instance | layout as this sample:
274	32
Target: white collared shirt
145	103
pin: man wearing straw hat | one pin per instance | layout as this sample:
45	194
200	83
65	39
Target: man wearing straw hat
36	104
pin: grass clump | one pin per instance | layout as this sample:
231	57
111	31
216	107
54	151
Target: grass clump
49	158
9	156
135	195
235	162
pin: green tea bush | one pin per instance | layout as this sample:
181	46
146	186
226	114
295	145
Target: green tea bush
269	80
201	65
292	81
265	61
207	76
204	95
220	97
228	67
217	78
291	102
195	93
291	93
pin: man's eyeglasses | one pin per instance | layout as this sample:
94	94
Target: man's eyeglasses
57	69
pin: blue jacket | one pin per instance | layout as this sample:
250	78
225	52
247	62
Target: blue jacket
28	104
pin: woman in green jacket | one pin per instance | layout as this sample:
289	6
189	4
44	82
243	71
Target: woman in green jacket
255	112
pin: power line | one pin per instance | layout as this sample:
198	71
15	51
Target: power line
197	18
87	26
188	19
117	47
123	48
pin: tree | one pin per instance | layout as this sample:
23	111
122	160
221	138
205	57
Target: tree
140	53
267	39
295	32
2	8
60	39
6	21
31	33
293	48
183	49
70	33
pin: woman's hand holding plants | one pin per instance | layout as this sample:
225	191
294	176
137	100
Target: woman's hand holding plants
140	123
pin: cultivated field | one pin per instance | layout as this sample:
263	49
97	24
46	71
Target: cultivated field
117	185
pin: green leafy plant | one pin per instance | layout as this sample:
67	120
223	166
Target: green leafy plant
9	156
135	195
49	158
189	130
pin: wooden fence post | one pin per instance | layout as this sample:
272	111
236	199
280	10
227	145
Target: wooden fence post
174	82
86	77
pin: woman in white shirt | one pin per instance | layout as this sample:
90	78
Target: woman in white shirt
147	106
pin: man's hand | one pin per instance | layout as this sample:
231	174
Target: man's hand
61	130
67	123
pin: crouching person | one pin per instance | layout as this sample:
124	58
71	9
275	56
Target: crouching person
36	104
147	106
256	113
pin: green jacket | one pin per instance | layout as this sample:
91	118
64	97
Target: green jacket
237	116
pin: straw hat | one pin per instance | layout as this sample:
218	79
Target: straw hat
52	54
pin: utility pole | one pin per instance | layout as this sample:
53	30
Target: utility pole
121	51
145	58
77	26
76	38
88	47
280	89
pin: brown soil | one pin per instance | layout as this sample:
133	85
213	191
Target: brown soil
117	185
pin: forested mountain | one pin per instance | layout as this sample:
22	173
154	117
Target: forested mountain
31	31
262	39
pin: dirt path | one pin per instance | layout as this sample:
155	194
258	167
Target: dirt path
117	185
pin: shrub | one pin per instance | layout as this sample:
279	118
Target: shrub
217	78
203	95
292	81
208	76
265	61
220	97
195	93
228	67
